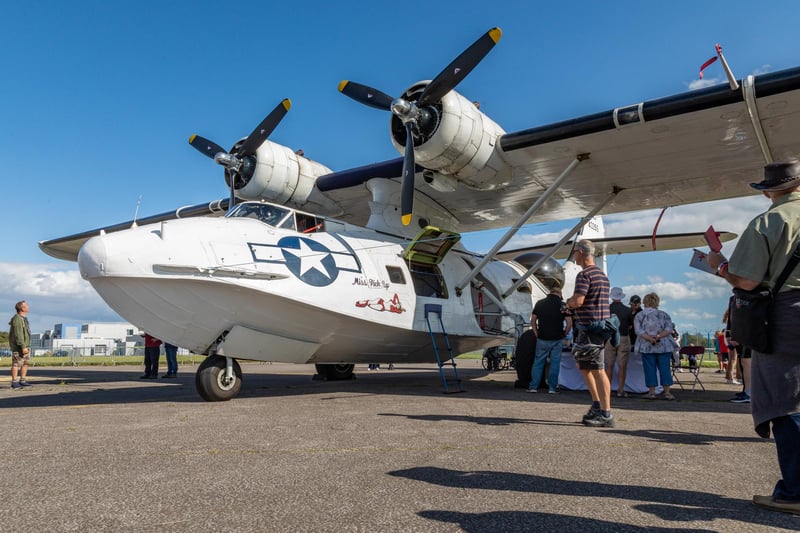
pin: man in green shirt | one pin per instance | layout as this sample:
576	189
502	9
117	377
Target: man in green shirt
762	254
19	337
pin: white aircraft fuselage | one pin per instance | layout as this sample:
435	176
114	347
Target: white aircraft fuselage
248	288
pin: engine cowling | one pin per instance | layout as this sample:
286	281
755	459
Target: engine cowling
284	177
455	139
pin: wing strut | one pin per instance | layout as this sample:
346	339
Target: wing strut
749	89
522	220
560	243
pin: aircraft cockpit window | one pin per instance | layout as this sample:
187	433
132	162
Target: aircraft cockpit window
427	280
289	224
266	213
396	275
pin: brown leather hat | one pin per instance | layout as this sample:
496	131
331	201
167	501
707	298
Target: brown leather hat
780	176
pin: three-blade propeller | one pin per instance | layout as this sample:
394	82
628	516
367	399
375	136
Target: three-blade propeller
241	164
413	113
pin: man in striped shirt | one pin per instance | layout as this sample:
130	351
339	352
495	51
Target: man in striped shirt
590	301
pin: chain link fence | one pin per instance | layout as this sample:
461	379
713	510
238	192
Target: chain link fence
98	355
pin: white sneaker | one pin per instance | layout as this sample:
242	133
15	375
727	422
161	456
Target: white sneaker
733	382
530	390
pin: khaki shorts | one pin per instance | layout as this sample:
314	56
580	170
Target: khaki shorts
619	353
18	360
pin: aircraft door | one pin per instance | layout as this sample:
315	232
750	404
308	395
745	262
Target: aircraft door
386	290
487	312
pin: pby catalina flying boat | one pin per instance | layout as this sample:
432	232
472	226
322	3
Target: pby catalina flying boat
365	265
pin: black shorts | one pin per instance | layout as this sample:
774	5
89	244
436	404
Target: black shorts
597	360
745	352
595	363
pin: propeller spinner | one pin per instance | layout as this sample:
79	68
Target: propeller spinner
416	114
241	164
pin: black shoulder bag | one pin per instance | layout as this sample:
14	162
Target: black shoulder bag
749	313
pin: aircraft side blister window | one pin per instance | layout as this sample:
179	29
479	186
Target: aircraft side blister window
396	275
526	288
427	280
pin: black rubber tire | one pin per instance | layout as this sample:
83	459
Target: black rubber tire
210	374
336	372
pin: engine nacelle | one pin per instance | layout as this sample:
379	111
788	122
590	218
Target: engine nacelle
456	140
284	177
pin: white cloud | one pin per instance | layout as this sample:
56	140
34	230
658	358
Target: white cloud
703	83
521	240
763	69
56	294
697	286
725	215
695	304
730	215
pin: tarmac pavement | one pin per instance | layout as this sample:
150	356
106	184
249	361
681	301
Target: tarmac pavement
95	448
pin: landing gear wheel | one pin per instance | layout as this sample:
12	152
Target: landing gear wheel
335	372
211	382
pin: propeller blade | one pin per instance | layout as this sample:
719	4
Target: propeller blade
456	71
232	201
262	131
206	147
366	95
407	193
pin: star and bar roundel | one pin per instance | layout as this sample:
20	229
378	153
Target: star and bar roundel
308	260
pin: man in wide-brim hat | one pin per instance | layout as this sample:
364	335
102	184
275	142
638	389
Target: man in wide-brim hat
780	176
763	251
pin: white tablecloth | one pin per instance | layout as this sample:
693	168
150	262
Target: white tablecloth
570	377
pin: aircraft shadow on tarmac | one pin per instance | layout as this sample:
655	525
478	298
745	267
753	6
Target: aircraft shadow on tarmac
681	437
524	521
481	420
669	504
667	437
87	387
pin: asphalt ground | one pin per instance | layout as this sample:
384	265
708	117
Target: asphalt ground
97	449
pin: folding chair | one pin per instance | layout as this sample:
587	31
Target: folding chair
694	356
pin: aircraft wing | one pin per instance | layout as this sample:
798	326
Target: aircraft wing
67	247
697	146
624	245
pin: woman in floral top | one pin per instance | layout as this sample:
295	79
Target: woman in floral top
654	341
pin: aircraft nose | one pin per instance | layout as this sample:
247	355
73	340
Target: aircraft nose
93	258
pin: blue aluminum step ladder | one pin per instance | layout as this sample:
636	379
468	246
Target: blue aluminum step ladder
437	310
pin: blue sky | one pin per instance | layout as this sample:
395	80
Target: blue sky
100	98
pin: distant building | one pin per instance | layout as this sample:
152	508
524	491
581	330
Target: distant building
91	338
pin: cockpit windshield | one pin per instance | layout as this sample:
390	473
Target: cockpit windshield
266	213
